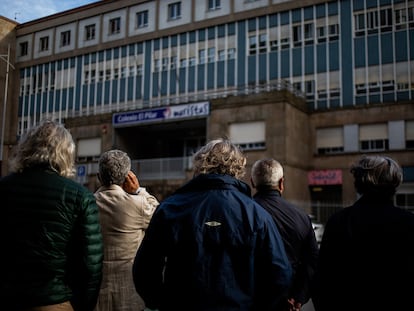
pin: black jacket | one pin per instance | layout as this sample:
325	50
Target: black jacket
298	236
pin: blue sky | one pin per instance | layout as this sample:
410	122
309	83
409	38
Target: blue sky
24	11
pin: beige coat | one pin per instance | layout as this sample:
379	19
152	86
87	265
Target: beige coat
124	218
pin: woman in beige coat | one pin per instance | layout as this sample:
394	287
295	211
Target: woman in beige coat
125	211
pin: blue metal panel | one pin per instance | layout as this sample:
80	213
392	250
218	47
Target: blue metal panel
85	98
156	43
138	84
241	52
155	84
173	40
405	95
173	82
285	61
220	74
411	38
308	13
106	99
262	68
123	51
98	95
309	60
200	78
322	104
273	20
284	18
297	62
183	39
374	99
358	5
320	10
408	173
147	70
359	52
164	42
192	36
334	103
181	80
371	4
91	95
140	48
321	58
347	87
334	56
333	7
373	50
387	52
273	67
64	99
211	32
114	91
130	82
78	80
251	63
296	16
231	29
163	83
191	79
401	46
252	24
231	77
122	86
221	31
201	35
210	76
262	22
115	54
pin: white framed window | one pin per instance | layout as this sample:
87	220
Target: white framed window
330	140
114	25
44	44
142	19
174	10
90	32
249	135
373	137
65	38
89	148
214	4
24	47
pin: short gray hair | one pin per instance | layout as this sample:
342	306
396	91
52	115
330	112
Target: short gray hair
266	173
220	156
377	175
114	166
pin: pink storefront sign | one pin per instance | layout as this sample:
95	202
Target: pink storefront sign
325	177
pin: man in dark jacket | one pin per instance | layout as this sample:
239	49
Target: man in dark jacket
50	233
210	246
294	226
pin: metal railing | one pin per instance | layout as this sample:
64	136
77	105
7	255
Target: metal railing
161	168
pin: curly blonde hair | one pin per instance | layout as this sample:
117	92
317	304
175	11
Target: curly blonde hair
48	144
220	156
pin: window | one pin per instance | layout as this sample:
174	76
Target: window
330	140
231	53
211	55
214	4
252	45
221	55
201	56
65	38
114	26
142	19
44	43
90	32
24	48
373	137
248	135
174	10
89	149
409	134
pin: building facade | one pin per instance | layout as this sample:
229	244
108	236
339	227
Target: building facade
314	84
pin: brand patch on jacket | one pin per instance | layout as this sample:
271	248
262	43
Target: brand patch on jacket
213	223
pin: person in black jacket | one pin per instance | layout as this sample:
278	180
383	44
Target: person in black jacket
209	246
366	259
294	225
50	234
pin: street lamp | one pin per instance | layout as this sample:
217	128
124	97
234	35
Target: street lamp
6	58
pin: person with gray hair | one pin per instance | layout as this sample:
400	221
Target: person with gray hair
50	234
295	227
209	246
125	211
366	255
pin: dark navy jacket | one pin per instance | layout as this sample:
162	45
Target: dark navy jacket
211	247
297	233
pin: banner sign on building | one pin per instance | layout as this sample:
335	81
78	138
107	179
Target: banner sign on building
325	177
168	113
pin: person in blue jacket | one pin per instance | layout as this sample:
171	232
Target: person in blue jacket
210	246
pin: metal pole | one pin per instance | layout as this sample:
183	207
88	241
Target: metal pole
6	87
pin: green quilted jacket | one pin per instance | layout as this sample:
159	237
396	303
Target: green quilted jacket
51	241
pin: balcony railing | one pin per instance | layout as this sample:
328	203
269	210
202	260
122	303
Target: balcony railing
161	168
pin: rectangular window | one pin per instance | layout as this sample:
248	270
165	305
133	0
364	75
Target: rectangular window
142	19
24	48
330	140
114	25
221	55
248	135
211	55
44	43
89	32
214	4
174	10
201	56
252	45
373	137
65	38
409	134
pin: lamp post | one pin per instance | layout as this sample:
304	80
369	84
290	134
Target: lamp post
6	58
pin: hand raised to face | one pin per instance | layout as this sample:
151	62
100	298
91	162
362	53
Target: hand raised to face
131	183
